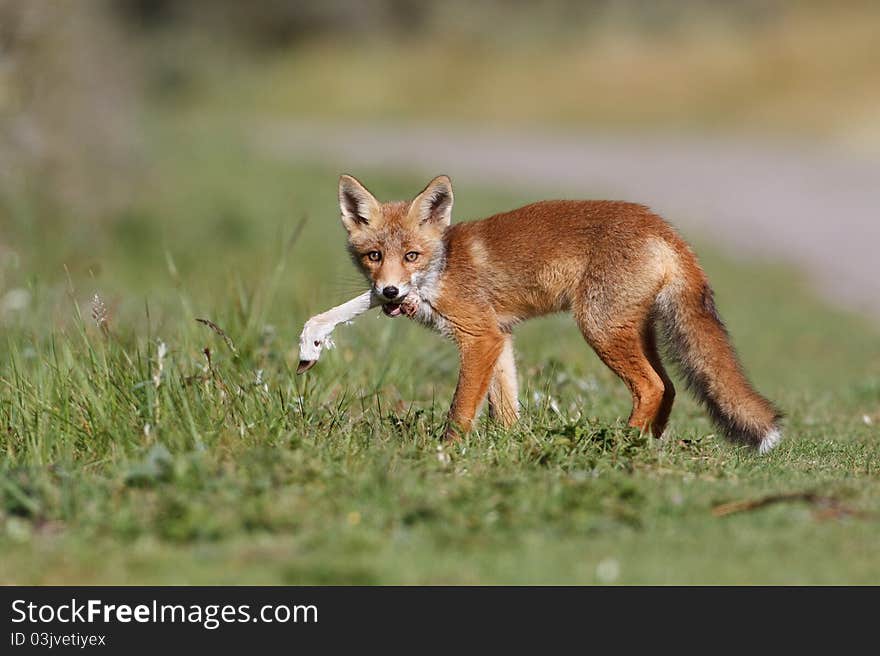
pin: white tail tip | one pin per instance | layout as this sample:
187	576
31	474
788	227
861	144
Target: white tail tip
769	440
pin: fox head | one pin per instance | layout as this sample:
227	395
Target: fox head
397	245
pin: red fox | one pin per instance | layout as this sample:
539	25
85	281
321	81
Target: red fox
620	269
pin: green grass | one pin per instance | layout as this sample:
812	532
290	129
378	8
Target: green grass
121	466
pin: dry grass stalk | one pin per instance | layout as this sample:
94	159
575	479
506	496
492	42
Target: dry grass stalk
217	329
101	314
826	507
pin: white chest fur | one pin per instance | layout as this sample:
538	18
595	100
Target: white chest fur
427	286
429	317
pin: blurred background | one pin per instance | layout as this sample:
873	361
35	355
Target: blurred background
164	161
130	126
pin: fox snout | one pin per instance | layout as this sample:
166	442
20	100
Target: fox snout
391	292
390	279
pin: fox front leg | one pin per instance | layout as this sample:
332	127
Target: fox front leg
479	355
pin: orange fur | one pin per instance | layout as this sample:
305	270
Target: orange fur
616	266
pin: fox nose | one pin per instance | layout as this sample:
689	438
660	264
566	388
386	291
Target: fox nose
390	292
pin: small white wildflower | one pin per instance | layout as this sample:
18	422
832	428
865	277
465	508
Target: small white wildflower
161	352
867	419
587	384
608	570
18	530
442	456
259	383
15	300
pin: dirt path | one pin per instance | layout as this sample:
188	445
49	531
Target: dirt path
816	209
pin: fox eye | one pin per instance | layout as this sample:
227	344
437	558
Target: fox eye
374	256
412	256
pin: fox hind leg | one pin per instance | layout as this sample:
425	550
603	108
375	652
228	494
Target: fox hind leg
629	350
653	355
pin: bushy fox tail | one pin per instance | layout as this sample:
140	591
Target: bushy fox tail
699	342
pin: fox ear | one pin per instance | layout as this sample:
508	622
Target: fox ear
356	203
434	204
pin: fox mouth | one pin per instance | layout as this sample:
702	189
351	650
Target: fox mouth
392	309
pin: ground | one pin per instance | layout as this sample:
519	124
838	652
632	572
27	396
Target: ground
141	446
